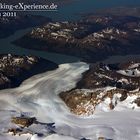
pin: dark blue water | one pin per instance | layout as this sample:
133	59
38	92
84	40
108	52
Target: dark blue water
7	47
71	10
65	12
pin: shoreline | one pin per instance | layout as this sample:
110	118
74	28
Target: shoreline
19	23
92	39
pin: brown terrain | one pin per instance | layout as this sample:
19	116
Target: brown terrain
21	123
104	82
15	69
93	38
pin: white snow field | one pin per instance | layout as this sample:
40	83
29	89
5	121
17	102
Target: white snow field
38	97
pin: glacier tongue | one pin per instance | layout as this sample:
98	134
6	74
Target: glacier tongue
38	97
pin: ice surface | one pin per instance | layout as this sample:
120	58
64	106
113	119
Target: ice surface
38	97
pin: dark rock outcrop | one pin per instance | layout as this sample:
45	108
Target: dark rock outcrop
14	69
107	84
93	38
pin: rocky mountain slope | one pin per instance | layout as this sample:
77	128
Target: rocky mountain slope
14	69
93	38
105	87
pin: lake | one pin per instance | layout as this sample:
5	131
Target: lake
65	12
